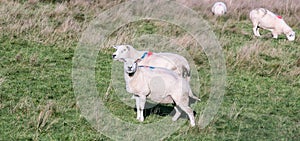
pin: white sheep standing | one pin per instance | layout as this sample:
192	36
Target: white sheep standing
158	84
219	8
170	61
263	18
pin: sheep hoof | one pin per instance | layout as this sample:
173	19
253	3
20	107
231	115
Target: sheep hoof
174	118
141	119
275	36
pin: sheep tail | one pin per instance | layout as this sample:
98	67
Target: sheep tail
193	96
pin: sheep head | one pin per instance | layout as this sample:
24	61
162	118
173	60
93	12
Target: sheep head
122	51
130	65
291	36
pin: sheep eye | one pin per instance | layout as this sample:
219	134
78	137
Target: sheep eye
123	50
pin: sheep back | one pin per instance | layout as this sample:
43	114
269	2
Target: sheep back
268	20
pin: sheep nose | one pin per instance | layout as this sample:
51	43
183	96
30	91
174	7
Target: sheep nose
114	56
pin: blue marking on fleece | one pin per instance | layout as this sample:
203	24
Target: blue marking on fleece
150	67
144	55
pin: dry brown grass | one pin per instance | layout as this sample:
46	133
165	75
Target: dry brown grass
295	71
63	22
1	80
289	9
46	112
60	23
25	105
252	51
263	58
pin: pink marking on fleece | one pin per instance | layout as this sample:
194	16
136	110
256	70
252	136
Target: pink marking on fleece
150	53
278	16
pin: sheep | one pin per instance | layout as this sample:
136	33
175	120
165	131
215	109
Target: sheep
263	18
159	85
170	61
219	8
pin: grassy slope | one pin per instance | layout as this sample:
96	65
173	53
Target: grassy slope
37	82
37	99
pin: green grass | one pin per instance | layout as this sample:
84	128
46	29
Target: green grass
37	100
30	85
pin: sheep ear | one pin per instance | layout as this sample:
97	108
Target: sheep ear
114	46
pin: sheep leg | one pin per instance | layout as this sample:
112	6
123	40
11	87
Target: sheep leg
256	28
256	31
141	102
275	35
137	104
177	113
190	113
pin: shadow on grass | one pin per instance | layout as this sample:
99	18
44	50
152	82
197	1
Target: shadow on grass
164	109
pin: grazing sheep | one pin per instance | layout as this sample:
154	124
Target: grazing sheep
263	18
219	8
158	84
170	61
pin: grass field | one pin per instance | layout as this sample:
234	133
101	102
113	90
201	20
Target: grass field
37	45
